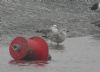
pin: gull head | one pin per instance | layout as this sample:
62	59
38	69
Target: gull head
54	28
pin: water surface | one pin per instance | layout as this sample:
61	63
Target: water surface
81	54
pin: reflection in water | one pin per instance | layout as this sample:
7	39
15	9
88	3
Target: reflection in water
27	63
57	47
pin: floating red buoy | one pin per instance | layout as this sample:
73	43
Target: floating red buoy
35	48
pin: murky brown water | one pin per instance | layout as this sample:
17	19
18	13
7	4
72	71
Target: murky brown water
81	54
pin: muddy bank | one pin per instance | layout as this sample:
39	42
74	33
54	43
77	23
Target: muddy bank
22	18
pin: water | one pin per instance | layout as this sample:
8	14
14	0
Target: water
81	54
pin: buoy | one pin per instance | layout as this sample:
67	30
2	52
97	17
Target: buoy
34	48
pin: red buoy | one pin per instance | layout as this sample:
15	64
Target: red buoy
35	48
39	47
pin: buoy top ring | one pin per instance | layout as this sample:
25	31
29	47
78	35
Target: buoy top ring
18	48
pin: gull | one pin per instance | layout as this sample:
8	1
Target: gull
54	34
58	37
